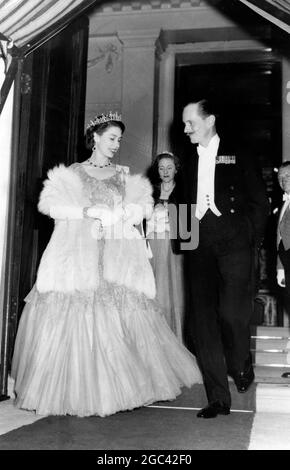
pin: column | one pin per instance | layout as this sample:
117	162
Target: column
166	98
138	86
285	109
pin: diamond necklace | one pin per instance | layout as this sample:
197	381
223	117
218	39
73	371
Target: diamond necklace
98	166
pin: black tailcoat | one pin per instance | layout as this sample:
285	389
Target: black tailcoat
221	268
239	191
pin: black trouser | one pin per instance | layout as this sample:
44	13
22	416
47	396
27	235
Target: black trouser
285	260
222	301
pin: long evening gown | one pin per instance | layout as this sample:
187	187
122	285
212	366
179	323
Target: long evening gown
97	352
168	270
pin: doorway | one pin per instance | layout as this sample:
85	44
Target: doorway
247	90
51	127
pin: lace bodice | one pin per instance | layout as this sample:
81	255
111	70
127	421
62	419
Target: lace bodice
103	191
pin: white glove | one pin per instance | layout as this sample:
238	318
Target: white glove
133	213
66	212
99	211
160	218
150	228
105	214
281	277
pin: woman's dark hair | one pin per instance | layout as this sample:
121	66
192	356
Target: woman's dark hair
169	155
153	173
100	129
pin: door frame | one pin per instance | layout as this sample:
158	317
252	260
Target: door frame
205	52
174	54
19	170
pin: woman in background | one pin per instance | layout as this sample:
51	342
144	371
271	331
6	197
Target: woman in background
162	231
91	339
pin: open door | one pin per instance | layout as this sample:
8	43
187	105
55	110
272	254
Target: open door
51	108
249	94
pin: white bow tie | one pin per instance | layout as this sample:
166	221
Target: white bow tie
205	151
286	197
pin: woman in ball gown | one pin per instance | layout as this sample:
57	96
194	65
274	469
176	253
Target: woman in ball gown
91	339
162	234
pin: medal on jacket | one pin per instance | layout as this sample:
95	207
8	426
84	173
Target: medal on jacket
225	159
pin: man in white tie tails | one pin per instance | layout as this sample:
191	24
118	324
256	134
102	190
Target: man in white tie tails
283	239
232	209
283	232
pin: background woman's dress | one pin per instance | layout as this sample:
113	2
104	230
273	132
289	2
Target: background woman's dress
96	352
169	276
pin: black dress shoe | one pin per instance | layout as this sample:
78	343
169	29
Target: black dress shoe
214	409
244	379
286	375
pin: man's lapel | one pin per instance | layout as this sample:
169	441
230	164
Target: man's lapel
194	175
282	212
284	207
223	171
218	178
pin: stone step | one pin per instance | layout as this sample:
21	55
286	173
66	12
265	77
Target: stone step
271	374
270	344
271	358
270	332
273	398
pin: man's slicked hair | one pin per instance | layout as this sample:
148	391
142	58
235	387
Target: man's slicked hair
206	107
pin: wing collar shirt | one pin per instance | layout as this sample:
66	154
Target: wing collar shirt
206	173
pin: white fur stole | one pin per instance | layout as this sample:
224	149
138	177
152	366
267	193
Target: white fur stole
126	259
138	201
70	261
62	187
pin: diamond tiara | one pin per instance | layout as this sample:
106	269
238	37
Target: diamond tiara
105	118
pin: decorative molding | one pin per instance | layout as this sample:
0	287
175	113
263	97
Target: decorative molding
147	5
25	84
172	16
108	53
159	49
218	46
140	38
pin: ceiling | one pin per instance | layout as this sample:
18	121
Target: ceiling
29	23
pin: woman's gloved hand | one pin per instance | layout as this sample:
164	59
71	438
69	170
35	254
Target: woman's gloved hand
104	213
281	277
160	218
